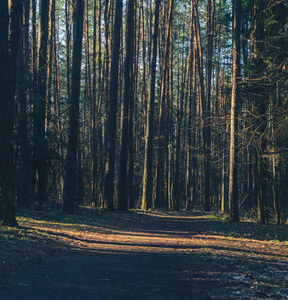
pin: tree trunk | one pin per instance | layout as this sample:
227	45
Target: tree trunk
203	106
40	146
235	100
133	86
107	35
68	48
71	177
7	189
94	103
160	197
207	111
112	114
23	79
128	63
148	169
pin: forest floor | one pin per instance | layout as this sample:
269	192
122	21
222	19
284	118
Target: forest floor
141	255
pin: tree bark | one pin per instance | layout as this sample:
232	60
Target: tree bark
128	64
148	170
40	146
160	197
71	177
112	113
235	100
203	105
207	112
8	70
23	80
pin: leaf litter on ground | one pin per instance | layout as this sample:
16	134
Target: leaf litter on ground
240	260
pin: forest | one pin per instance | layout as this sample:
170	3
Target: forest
144	104
134	137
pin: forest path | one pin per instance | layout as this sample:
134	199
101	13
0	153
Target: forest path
136	255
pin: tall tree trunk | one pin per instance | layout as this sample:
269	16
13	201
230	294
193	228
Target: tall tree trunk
71	177
202	104
235	100
160	197
23	79
99	113
112	114
128	64
33	90
94	102
57	112
40	146
107	34
68	48
260	94
50	65
133	87
148	168
207	112
191	157
7	93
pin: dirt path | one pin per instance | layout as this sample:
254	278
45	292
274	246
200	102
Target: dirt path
143	256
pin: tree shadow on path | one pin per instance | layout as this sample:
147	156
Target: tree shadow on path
155	255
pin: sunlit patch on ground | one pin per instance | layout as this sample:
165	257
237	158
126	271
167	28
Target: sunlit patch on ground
206	253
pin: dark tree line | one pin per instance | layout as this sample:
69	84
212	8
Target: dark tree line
144	104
